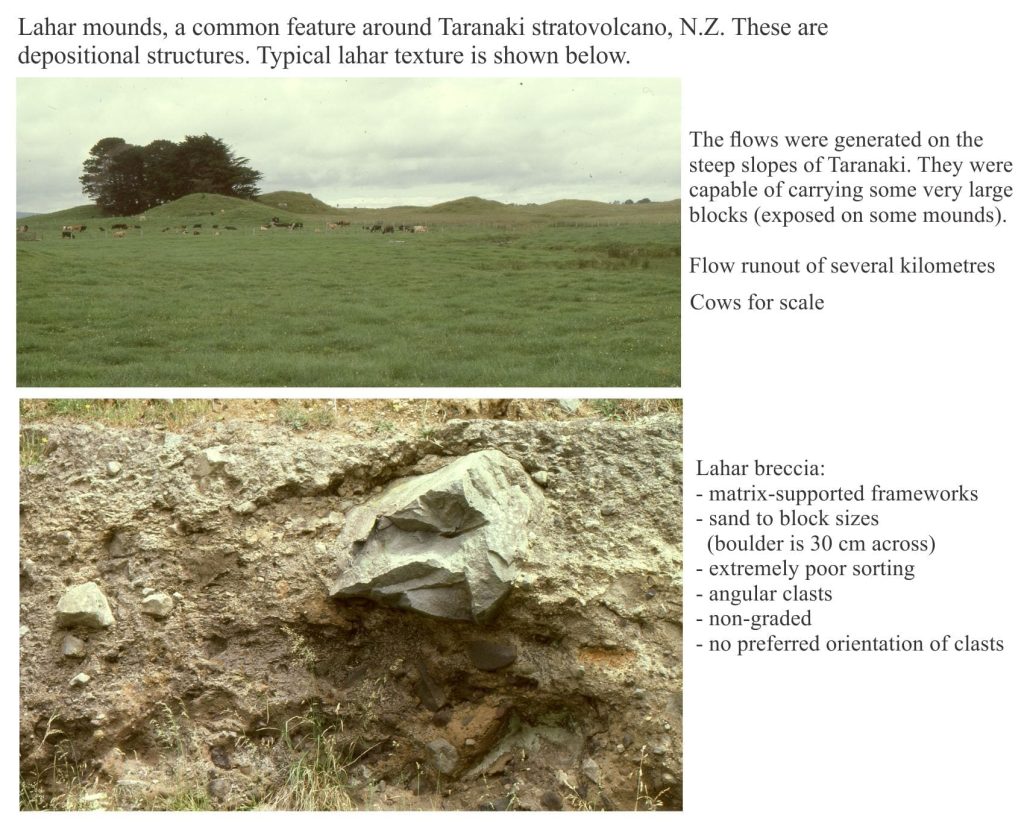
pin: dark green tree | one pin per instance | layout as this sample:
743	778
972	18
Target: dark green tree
124	179
207	164
161	181
103	174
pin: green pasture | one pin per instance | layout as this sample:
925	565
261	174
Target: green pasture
502	298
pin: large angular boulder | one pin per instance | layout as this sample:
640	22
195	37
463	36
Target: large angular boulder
444	544
84	605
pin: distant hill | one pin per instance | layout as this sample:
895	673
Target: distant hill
202	208
471	204
84	212
218	209
27	214
299	202
224	210
574	208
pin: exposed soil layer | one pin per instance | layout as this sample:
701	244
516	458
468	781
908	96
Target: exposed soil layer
231	679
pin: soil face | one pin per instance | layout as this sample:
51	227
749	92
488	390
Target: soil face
230	679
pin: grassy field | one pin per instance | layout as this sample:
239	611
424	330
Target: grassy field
567	294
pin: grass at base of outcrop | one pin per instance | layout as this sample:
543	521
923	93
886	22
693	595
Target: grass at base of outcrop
314	771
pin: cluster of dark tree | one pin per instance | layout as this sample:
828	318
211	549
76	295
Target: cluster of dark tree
125	179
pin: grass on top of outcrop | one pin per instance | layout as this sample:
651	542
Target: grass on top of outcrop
388	415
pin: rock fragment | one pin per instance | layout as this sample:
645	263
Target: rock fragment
551	801
84	605
121	545
72	647
491	656
158	605
210	459
430	693
79	679
443	756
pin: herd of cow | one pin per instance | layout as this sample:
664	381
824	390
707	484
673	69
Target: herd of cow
71	230
277	223
385	228
121	230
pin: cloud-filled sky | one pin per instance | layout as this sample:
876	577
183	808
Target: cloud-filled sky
372	143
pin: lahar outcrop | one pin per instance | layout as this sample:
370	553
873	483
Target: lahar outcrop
237	616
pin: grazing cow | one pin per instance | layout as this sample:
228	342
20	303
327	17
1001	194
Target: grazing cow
23	228
75	228
120	233
197	226
119	226
419	228
66	233
330	226
165	229
296	225
264	227
388	228
235	228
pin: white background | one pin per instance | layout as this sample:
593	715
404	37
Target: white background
909	382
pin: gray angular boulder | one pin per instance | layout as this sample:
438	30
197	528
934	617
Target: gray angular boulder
84	605
444	544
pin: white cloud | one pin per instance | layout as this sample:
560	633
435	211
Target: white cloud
372	142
